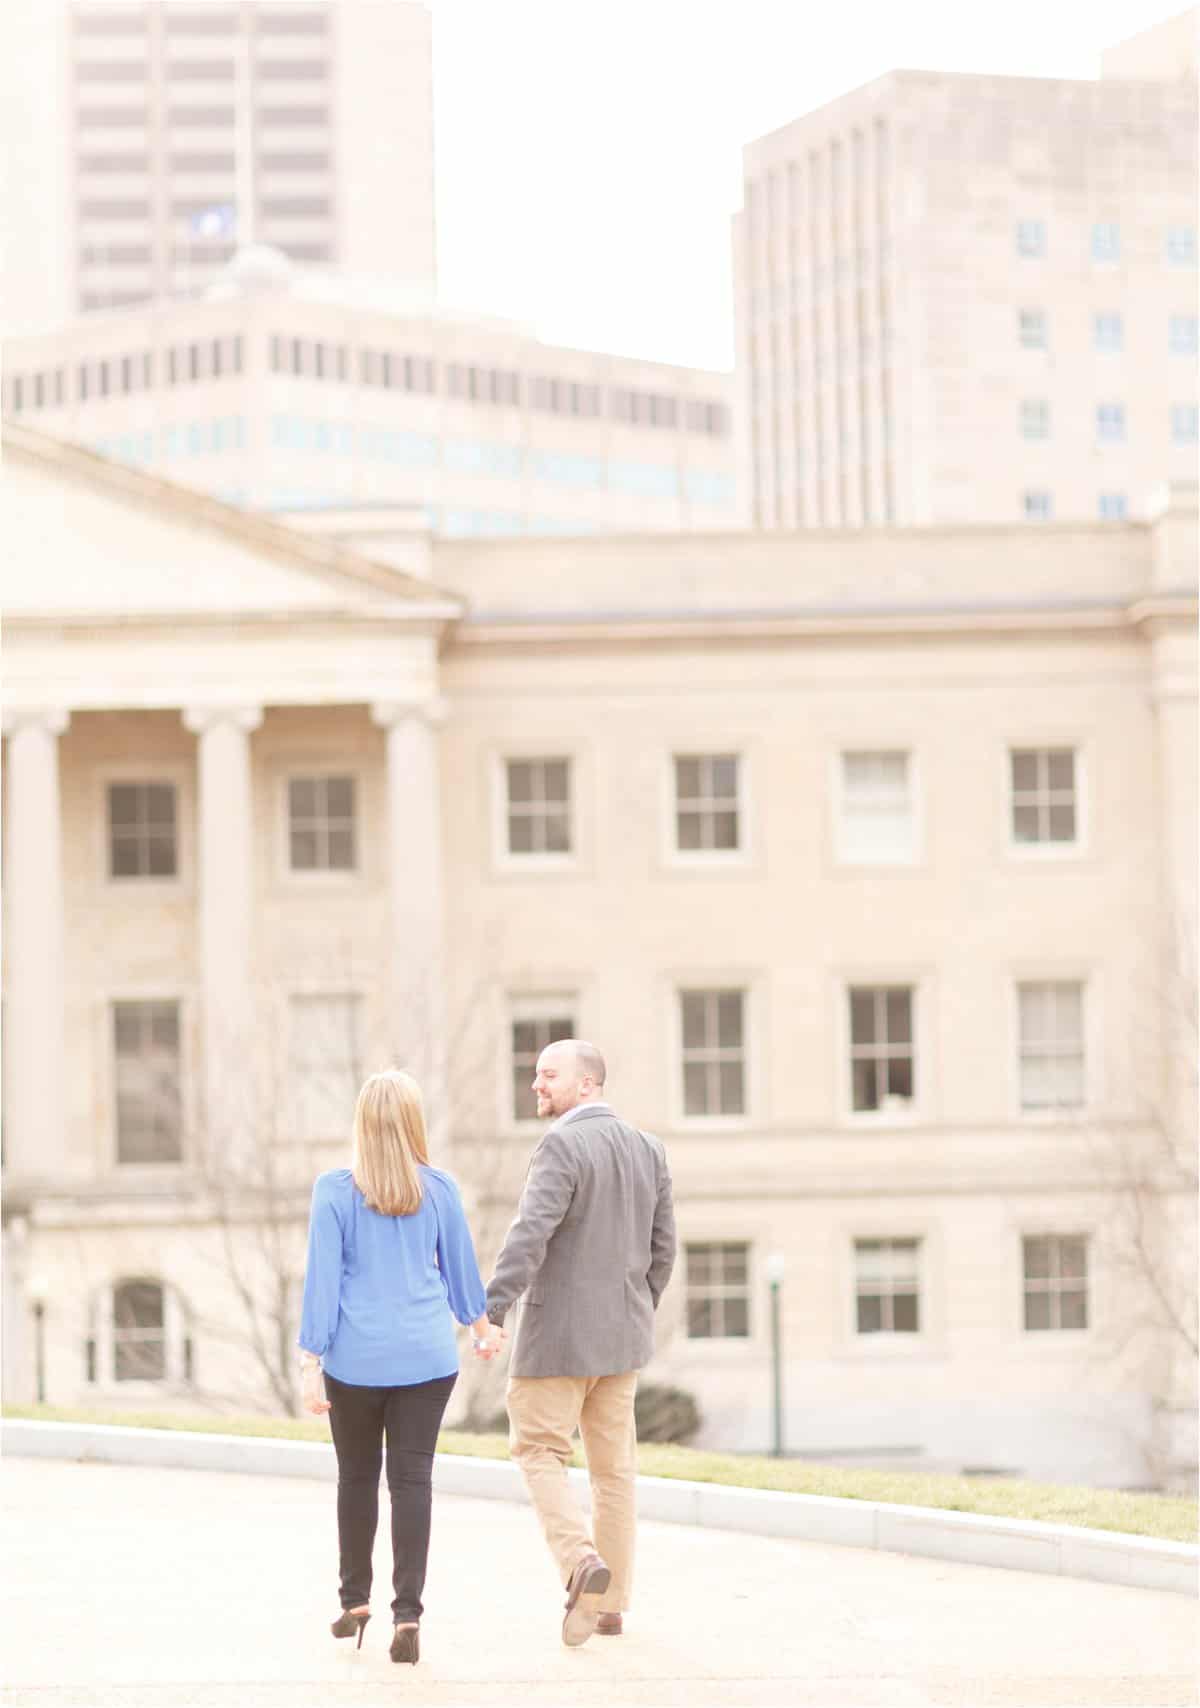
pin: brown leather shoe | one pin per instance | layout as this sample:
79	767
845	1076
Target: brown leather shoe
608	1625
588	1583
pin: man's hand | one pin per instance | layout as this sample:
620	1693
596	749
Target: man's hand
486	1343
312	1390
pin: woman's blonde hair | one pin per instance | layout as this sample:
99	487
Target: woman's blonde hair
389	1142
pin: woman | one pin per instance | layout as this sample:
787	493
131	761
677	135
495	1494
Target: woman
389	1258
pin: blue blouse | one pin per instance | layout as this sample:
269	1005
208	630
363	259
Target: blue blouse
379	1290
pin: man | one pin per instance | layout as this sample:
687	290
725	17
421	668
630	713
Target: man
592	1248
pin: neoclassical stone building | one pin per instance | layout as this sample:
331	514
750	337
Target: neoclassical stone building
868	859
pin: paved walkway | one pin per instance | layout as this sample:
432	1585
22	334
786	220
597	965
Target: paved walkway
132	1588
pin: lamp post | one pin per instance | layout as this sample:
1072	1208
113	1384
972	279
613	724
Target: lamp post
37	1290
775	1267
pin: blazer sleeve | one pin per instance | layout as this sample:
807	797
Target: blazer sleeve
322	1273
549	1189
456	1255
662	1235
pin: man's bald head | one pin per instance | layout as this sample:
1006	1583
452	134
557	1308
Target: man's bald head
569	1072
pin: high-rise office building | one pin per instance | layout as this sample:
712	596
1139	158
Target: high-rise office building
146	142
973	299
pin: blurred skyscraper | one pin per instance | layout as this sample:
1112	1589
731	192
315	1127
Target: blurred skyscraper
972	299
147	142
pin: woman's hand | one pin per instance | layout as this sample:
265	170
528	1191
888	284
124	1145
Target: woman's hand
312	1390
486	1339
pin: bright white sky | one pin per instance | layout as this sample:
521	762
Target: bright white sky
588	151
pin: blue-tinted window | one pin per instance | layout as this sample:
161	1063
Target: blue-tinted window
566	469
1110	422
643	480
1108	332
474	456
705	487
1184	423
1031	237
1114	507
1181	245
1106	242
1039	506
1182	339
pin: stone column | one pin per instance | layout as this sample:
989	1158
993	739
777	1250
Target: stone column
35	1045
417	1020
225	840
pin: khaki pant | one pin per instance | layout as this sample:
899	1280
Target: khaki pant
543	1413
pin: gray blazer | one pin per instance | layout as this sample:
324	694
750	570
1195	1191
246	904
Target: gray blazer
592	1248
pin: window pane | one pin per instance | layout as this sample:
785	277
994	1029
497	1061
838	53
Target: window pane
1062	824
695	1089
732	1089
302	797
1024	771
524	1103
866	1086
304	850
520	781
1037	1310
341	850
164	1026
138	1304
339	797
1068	1082
1072	1258
123	803
161	857
899	1016
1026	824
693	1005
870	1313
140	1360
555	779
127	1028
699	1264
699	1316
160	804
1038	1082
724	776
1072	1308
725	830
899	1077
904	1313
557	833
729	1019
687	779
1061	768
862	1016
734	1265
688	835
520	834
125	859
1037	1258
737	1318
524	1038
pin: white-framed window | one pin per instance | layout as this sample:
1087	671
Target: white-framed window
876	810
1031	238
1038	505
887	1286
148	1082
325	1065
1182	337
1185	423
1106	242
1110	423
1035	418
1055	1272
1181	245
1031	329
142	830
1113	507
138	1334
708	808
882	1049
718	1289
1050	1045
322	823
537	807
713	1039
1108	333
1044	784
533	1023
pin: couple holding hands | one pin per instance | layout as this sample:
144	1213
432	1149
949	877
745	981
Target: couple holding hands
390	1260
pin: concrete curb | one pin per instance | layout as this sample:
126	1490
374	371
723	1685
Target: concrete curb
1060	1549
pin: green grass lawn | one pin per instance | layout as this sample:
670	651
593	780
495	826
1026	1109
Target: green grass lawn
1169	1517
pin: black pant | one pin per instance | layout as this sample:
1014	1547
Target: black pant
411	1417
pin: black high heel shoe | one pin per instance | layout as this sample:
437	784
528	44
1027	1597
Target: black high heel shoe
348	1624
406	1644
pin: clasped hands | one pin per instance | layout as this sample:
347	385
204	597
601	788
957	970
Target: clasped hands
486	1340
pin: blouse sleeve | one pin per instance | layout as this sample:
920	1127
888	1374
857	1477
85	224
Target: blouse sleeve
456	1256
322	1274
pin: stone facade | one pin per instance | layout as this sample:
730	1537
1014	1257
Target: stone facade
707	800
